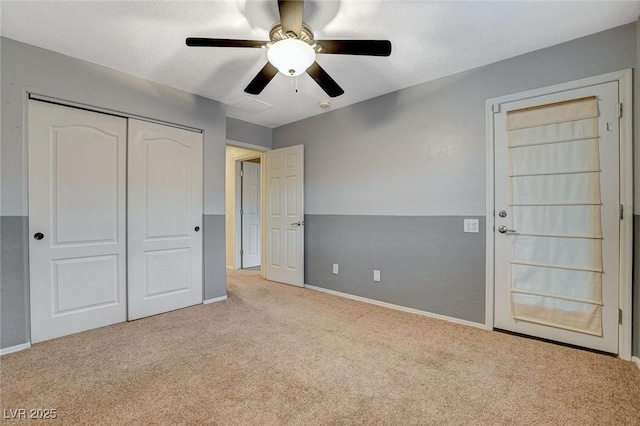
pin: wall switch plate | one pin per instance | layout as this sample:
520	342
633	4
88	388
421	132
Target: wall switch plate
376	275
471	225
335	268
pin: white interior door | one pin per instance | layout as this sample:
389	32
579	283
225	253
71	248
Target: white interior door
250	214
557	217
77	207
165	218
284	222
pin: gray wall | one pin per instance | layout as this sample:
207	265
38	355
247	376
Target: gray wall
636	287
28	69
242	131
409	252
636	205
416	158
13	276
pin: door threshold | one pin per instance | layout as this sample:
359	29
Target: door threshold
555	342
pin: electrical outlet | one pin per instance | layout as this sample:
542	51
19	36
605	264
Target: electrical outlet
335	268
376	275
471	225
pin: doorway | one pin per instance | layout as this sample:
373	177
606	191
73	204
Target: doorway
280	190
243	208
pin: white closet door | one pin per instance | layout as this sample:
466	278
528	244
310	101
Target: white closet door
250	214
77	245
284	178
165	218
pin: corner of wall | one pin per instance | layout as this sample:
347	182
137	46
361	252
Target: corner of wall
635	338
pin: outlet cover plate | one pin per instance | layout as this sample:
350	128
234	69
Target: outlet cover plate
471	225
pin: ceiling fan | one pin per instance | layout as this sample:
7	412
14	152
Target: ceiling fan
292	50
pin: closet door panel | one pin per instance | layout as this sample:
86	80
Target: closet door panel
164	218
77	222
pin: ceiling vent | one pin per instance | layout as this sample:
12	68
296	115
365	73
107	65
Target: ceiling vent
250	105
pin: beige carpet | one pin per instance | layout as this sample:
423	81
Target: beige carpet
276	355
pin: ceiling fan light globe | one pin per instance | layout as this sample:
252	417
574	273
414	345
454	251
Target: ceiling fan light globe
291	57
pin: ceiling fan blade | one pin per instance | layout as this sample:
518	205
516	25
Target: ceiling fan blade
324	80
223	42
291	17
261	80
356	47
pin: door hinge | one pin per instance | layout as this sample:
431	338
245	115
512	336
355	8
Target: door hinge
241	212
621	212
241	173
241	252
619	316
619	110
495	108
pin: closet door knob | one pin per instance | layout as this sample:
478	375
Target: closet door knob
197	228
38	235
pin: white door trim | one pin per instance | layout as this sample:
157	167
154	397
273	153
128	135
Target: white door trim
231	142
624	78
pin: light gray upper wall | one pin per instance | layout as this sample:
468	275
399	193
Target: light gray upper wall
242	131
26	68
421	150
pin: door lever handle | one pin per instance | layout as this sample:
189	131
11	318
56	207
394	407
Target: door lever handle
298	223
504	230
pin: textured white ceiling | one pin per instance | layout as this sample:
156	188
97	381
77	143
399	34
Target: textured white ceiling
430	40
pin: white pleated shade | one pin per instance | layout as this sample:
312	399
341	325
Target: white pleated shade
556	254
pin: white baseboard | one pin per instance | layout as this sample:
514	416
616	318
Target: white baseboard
15	348
397	307
214	300
636	360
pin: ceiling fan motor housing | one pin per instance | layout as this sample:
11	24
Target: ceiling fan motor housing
276	34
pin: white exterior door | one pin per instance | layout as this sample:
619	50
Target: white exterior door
250	214
557	218
165	219
284	176
77	202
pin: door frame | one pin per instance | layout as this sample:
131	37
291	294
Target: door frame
625	93
261	149
237	231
